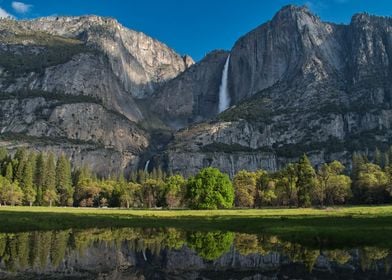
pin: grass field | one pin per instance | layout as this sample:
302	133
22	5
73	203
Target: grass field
335	226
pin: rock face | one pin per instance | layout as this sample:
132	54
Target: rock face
193	95
75	79
294	43
140	62
87	132
229	146
296	84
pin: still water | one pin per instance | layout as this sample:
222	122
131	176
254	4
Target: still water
133	253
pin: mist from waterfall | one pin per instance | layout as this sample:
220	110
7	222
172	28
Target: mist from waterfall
224	98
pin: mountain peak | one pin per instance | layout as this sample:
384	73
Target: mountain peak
294	13
290	10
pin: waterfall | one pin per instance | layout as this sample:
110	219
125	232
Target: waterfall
224	98
146	166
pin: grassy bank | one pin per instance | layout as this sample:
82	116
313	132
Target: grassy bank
337	226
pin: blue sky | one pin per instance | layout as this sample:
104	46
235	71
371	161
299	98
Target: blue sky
192	27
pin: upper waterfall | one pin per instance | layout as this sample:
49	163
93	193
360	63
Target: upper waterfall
224	98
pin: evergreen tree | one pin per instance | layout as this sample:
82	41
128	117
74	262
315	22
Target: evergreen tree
50	195
9	172
378	158
28	180
64	181
82	178
358	161
133	177
154	174
141	176
306	181
389	155
3	156
20	162
40	174
160	174
385	159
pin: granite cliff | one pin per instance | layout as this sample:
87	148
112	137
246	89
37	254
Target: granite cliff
96	90
70	84
297	85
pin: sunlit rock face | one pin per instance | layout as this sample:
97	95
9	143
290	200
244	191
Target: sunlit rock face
69	84
139	61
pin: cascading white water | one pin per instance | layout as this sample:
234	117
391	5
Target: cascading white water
224	98
146	166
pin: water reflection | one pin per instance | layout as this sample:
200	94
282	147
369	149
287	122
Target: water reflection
133	253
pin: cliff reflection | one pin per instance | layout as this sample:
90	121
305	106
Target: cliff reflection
159	253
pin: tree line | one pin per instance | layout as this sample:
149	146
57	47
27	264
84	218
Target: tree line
30	178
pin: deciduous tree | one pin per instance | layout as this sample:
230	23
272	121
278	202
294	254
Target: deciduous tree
210	189
244	184
175	191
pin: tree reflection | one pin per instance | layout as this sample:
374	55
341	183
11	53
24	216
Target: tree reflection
338	256
370	255
42	251
210	245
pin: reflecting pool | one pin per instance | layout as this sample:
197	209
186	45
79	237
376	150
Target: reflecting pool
169	253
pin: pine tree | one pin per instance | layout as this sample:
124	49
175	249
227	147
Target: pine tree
3	156
9	172
49	191
28	180
378	157
40	174
64	181
306	181
389	153
141	176
133	177
385	159
20	162
81	176
154	174
357	162
160	175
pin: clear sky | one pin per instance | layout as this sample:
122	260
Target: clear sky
192	27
